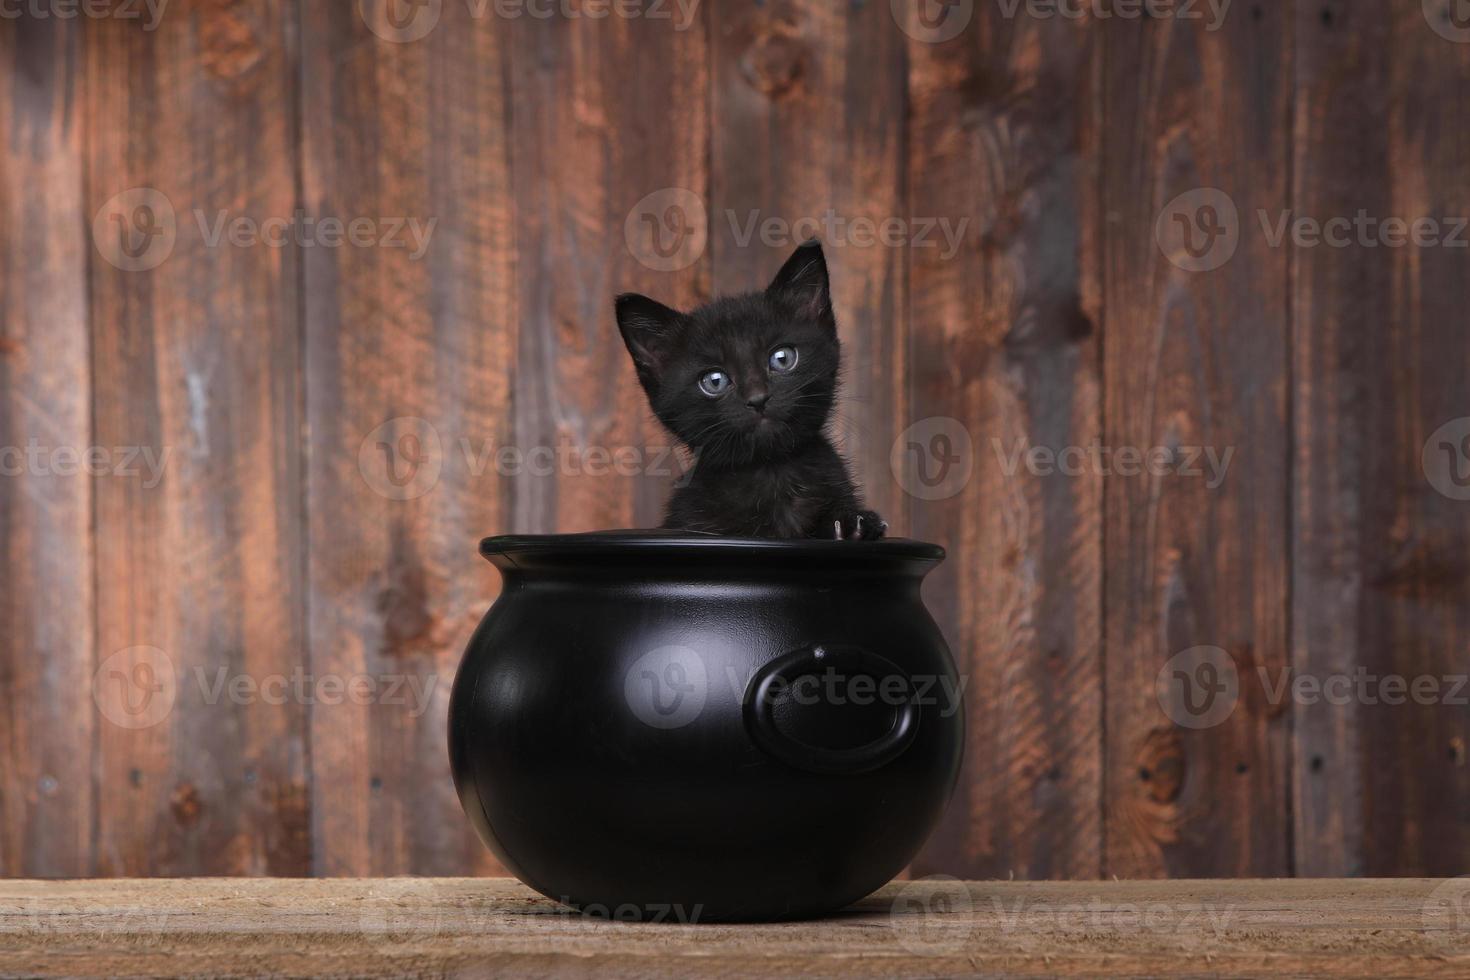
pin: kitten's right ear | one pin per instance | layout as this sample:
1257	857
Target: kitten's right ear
649	329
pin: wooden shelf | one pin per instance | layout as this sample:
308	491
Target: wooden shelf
489	926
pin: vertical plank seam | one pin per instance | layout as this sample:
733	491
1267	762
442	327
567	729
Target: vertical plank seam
295	44
89	265
1099	249
1289	409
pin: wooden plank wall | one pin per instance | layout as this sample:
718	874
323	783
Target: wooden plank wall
326	423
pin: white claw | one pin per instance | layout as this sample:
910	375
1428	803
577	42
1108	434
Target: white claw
857	531
837	530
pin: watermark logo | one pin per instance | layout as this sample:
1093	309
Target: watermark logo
666	688
308	231
932	21
1445	916
1446	459
843	231
1450	19
135	688
933	916
1198	687
400	910
933	459
400	21
1203	462
128	462
135	231
1199	230
402	458
90	9
414	692
667	230
1211	11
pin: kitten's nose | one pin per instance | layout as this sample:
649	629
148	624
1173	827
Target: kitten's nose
757	401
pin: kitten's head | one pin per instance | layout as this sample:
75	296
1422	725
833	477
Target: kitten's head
741	378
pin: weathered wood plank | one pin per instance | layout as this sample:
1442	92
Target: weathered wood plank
1005	342
1195	356
480	927
610	174
1382	411
409	353
199	557
47	725
809	101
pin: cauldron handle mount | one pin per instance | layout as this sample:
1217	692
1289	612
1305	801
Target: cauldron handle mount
780	679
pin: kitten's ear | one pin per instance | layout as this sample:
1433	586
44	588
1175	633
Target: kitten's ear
649	329
803	282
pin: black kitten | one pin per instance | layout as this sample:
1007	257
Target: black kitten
748	383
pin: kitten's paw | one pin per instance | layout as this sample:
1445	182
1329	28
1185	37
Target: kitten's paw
862	525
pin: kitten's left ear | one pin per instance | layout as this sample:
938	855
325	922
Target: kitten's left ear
803	282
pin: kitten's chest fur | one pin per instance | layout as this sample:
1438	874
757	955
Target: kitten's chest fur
793	497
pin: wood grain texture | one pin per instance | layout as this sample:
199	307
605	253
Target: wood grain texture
196	356
478	927
1005	342
1380	573
1196	359
810	99
610	175
48	720
409	371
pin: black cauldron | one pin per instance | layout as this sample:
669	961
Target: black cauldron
665	726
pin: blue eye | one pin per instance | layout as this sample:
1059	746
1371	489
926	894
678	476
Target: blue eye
714	383
783	359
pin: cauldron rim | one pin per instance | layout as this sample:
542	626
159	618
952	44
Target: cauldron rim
680	546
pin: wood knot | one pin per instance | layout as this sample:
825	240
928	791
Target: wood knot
1161	765
774	63
185	804
228	45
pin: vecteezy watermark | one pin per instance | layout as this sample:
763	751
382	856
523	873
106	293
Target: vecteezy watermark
1450	19
933	459
128	462
138	229
402	21
399	910
1200	230
152	10
668	913
413	691
1363	230
843	231
932	21
404	458
139	687
137	926
1212	12
667	687
1445	916
1200	687
667	230
1041	921
1096	459
307	231
1446	459
933	916
135	688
